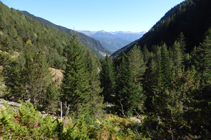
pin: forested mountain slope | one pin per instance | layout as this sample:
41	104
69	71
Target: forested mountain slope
191	17
94	45
17	30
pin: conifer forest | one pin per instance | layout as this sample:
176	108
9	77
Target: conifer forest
156	88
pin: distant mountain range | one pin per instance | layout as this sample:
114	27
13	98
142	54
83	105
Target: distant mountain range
94	45
113	40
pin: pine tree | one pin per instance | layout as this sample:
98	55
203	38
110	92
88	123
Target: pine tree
127	93
137	64
146	54
182	43
51	98
149	83
177	57
75	86
153	80
165	66
36	77
29	80
138	67
5	62
158	70
200	97
107	78
13	79
96	101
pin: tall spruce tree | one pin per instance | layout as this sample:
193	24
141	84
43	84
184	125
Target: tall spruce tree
127	93
149	83
75	89
177	56
138	67
13	79
200	101
96	100
146	54
165	65
137	64
107	78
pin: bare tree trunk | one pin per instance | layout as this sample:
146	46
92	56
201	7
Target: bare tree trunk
66	114
123	113
172	135
61	110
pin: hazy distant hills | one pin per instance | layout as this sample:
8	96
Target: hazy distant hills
94	45
191	17
112	44
113	40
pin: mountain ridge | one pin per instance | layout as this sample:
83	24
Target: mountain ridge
113	40
115	34
191	17
94	45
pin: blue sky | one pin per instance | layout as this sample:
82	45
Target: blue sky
95	15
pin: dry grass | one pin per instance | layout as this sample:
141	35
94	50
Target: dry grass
57	74
15	55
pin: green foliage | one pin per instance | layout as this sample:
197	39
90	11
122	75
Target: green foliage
26	123
5	60
113	127
17	30
176	86
75	86
138	68
95	100
30	79
202	59
127	92
166	85
107	79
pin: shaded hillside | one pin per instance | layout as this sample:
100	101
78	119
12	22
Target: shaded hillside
192	18
91	43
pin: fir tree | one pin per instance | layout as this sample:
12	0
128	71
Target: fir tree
96	101
182	43
138	67
75	86
149	82
200	97
51	98
29	80
37	77
127	93
146	54
165	66
107	78
137	64
177	57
